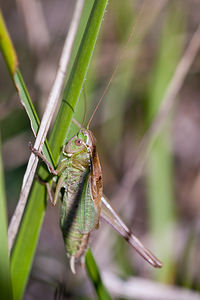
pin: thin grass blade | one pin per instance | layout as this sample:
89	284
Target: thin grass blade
24	248
5	279
10	57
95	277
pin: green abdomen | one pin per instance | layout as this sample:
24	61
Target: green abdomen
70	228
77	212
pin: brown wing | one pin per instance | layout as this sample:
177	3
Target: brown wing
96	183
96	175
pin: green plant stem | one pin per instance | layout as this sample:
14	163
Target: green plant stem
95	277
24	248
5	279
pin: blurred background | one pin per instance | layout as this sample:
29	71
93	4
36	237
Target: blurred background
153	181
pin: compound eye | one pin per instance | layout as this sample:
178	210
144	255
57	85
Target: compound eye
78	142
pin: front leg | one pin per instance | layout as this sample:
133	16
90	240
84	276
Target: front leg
58	172
40	155
51	170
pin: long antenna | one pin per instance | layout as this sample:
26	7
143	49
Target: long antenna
85	105
116	68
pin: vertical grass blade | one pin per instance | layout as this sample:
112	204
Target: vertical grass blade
95	277
7	48
10	58
79	71
24	248
5	280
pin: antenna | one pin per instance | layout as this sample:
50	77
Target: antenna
84	115
85	105
116	68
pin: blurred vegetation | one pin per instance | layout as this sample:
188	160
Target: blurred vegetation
5	280
164	206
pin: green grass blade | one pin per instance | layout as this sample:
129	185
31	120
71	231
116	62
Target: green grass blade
73	89
5	280
7	48
30	110
24	248
95	277
81	29
10	58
